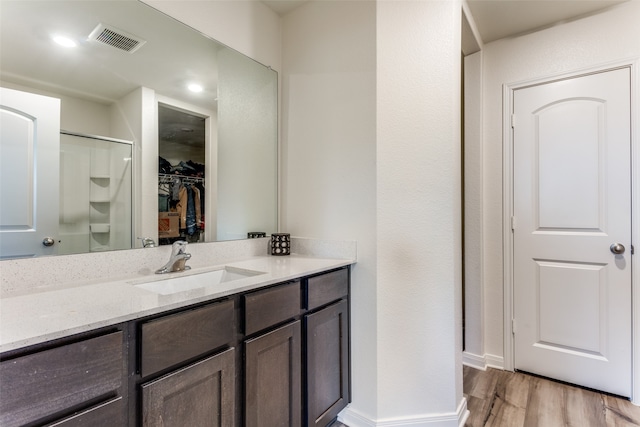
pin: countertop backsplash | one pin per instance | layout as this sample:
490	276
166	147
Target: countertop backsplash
25	276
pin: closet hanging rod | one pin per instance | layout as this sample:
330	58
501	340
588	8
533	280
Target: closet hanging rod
165	178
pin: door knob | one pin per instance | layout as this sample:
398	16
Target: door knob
48	241
617	248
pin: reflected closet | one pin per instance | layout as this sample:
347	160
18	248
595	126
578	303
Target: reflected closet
181	180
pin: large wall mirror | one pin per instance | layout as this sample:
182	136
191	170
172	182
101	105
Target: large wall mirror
158	131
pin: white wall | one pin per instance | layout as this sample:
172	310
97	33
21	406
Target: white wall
134	118
588	42
329	153
371	151
418	207
76	115
473	201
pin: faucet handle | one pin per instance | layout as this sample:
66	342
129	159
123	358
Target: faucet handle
179	247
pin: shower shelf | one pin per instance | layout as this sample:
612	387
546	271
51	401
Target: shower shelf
100	228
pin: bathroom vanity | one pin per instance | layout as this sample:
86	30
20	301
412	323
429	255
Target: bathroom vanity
270	349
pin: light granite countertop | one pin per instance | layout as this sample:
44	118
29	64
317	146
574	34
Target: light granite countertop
42	315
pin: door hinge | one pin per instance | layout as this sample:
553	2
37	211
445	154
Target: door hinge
632	250
513	326
513	120
513	223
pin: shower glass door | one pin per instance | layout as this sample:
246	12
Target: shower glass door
95	194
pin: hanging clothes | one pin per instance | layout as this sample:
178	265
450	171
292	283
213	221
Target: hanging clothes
176	185
200	187
191	212
198	206
164	196
181	190
181	207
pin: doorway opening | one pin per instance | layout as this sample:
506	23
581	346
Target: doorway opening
182	151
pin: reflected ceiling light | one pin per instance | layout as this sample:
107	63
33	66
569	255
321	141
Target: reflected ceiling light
194	87
64	41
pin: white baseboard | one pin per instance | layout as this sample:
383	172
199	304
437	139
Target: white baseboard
353	418
474	361
482	362
463	412
494	361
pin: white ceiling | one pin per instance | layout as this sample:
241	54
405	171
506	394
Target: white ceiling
496	19
282	7
173	55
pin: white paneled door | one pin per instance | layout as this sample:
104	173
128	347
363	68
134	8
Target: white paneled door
29	179
572	230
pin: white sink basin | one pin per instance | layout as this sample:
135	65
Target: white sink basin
186	280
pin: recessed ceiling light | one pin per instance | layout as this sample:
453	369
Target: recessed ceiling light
194	87
64	41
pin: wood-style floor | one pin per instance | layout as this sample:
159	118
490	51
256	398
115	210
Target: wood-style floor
499	398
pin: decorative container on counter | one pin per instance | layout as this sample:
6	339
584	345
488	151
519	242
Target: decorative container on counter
280	244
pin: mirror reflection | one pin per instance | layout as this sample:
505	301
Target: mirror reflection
95	194
197	123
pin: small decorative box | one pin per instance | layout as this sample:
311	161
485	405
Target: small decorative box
256	234
280	244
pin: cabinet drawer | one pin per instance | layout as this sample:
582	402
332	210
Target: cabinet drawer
327	288
173	339
44	383
108	414
271	306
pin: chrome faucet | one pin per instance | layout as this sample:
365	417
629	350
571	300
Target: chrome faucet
147	242
179	257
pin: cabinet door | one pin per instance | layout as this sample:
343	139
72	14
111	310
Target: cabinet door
273	375
327	363
202	394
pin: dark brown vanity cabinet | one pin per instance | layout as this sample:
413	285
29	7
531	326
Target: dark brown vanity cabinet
272	371
77	383
187	369
327	363
174	339
277	356
327	347
201	394
273	392
297	365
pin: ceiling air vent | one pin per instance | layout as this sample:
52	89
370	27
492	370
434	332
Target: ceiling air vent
116	38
